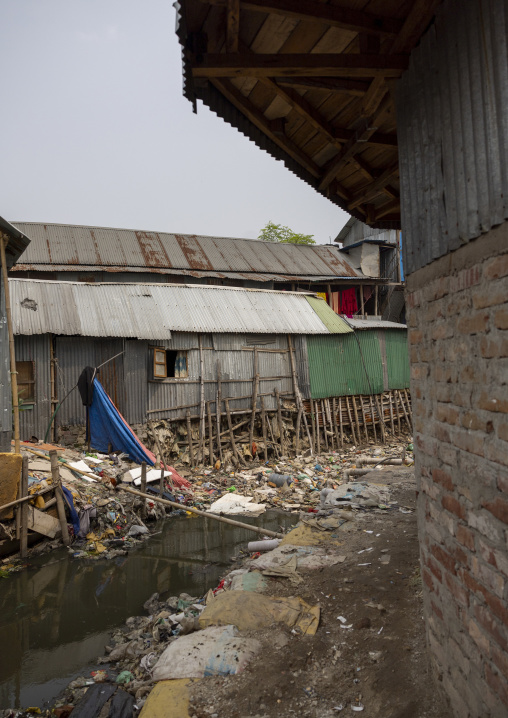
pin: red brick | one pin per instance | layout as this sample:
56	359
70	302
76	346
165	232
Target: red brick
502	431
498	508
489	298
500	659
488	576
486	620
479	637
473	443
465	537
450	503
442	477
444	558
498	684
470	420
490	347
497	267
501	319
473	324
457	591
415	336
494	557
427	579
437	610
447	414
491	402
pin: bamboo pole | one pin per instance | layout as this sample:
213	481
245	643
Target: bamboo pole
297	393
334	421
63	463
318	438
218	408
192	510
255	386
12	353
373	417
313	421
263	424
405	412
381	418
341	424
162	459
279	422
274	443
202	400
353	399
408	411
350	420
143	477
325	430
189	436
60	506
232	435
210	433
391	412
23	547
330	422
362	407
23	499
298	423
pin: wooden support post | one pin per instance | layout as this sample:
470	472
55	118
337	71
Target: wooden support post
408	411
341	424
338	442
211	457
263	423
60	505
381	419
23	547
276	449
231	434
318	438
362	407
296	389
255	387
405	412
202	432
161	454
298	423
143	477
12	355
391	412
325	427
371	404
313	420
396	394
362	304
189	436
353	399
218	409
376	300
279	422
350	420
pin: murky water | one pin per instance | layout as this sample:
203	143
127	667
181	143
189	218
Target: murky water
56	616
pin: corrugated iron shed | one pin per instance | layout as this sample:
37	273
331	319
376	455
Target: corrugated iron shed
153	311
72	247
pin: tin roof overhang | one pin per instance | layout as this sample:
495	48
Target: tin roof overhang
312	84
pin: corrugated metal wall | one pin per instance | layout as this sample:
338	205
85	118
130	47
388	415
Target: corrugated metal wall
34	421
351	364
5	387
452	131
397	358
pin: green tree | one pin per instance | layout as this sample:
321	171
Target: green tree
278	233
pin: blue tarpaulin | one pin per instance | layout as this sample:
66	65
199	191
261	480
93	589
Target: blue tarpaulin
107	426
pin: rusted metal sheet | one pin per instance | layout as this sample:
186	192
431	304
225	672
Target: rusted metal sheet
54	247
154	311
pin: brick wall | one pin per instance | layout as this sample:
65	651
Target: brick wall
458	343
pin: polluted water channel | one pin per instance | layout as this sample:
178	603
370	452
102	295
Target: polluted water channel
56	616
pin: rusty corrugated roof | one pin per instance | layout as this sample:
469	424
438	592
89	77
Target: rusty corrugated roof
72	247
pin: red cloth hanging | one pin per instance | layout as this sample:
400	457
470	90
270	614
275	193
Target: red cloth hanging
349	305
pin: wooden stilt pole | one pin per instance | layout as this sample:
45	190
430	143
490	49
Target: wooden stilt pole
341	424
408	411
12	354
391	412
231	434
211	457
298	423
362	407
279	422
60	505
143	477
371	403
202	432
23	547
263	424
255	386
381	418
218	409
353	399
351	421
189	437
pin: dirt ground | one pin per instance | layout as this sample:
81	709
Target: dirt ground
380	662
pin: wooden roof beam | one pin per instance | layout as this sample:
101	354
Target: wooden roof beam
273	65
232	25
331	84
416	22
372	189
333	15
387	209
273	130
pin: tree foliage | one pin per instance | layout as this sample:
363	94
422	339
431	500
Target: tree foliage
279	233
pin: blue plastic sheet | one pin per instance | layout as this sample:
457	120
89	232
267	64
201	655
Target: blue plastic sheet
74	514
107	426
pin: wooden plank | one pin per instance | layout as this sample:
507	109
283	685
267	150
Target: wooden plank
41	523
372	189
213	65
232	25
263	423
330	84
24	508
332	15
60	505
189	437
231	435
415	24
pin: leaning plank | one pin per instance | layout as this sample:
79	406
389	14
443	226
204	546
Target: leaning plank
42	523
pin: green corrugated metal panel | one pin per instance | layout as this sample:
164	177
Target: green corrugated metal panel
336	367
397	359
332	321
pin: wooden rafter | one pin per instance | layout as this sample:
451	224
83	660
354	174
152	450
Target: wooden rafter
272	65
386	209
362	133
333	15
331	84
417	20
372	174
372	189
273	131
232	25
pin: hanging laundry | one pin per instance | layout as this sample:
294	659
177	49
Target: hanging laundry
349	305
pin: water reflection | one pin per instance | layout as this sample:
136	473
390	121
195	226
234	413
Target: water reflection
55	617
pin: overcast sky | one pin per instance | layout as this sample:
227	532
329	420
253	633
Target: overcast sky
95	131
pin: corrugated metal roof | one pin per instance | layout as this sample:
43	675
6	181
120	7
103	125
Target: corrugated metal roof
374	324
332	321
17	242
153	311
73	247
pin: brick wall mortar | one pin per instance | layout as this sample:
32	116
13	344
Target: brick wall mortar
458	344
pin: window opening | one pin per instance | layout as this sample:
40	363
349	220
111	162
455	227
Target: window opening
26	381
169	364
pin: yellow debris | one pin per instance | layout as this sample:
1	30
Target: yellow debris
168	698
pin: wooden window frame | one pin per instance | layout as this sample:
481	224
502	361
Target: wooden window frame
156	364
31	400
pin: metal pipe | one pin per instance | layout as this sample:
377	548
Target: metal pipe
207	515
